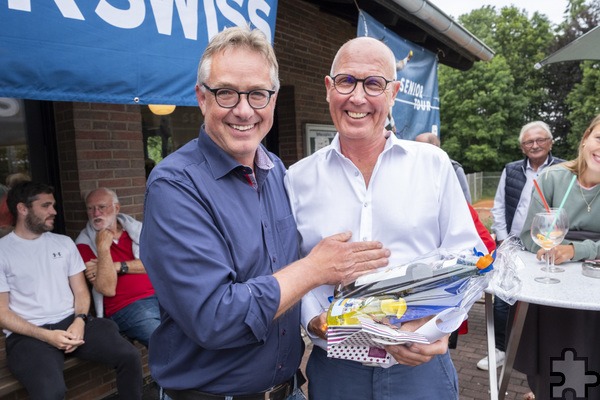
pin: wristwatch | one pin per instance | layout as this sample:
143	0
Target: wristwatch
83	317
124	268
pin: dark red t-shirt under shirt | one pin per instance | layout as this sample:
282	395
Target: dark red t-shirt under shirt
130	287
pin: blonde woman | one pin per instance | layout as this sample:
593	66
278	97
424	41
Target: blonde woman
551	331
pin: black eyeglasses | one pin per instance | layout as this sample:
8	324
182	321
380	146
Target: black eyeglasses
372	85
539	142
229	98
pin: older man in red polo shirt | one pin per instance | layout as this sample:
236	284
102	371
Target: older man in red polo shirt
109	245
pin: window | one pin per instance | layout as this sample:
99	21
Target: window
14	156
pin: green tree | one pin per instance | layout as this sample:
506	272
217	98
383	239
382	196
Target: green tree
560	79
483	109
474	127
584	105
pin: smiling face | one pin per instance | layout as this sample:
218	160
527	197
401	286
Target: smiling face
591	154
358	116
536	143
239	130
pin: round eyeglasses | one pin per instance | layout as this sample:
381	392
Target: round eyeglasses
372	85
229	98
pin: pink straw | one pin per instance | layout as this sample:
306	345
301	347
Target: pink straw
537	187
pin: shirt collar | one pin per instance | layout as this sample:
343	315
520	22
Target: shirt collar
391	142
262	159
544	164
222	163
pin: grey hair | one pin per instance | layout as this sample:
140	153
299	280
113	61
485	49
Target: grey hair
392	57
239	37
112	194
535	124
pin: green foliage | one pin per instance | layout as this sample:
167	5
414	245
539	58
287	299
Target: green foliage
561	78
155	148
484	108
584	104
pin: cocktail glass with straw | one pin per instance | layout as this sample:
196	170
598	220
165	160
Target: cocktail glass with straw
548	229
557	212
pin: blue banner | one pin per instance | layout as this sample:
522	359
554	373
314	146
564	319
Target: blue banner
417	106
115	51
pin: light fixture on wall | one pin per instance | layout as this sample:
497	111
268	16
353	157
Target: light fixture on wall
8	107
161	109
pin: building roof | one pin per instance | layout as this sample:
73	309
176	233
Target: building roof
420	22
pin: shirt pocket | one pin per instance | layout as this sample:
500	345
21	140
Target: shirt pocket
284	224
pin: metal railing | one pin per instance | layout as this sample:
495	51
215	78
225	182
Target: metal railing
482	185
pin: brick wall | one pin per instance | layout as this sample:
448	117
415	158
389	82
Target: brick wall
306	41
102	144
99	145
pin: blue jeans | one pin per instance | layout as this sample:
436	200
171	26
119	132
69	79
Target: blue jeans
138	320
330	378
298	394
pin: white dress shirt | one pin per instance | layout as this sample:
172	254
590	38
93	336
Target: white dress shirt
413	205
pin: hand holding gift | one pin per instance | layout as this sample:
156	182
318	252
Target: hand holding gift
417	353
421	302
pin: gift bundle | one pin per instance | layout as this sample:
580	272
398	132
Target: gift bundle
441	287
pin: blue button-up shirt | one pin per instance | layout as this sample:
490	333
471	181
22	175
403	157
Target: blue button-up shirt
210	243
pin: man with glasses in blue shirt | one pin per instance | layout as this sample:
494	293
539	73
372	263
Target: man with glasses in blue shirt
220	243
510	208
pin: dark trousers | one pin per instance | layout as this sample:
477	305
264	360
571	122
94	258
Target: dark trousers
39	365
501	309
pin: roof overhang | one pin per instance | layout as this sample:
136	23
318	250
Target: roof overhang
420	22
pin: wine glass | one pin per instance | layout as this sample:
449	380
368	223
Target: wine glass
548	229
551	267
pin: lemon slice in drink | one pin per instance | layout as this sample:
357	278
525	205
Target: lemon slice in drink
544	241
395	307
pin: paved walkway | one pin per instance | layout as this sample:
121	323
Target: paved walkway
471	348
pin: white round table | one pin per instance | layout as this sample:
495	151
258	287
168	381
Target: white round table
574	290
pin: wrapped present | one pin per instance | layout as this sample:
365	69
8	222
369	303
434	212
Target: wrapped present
367	314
